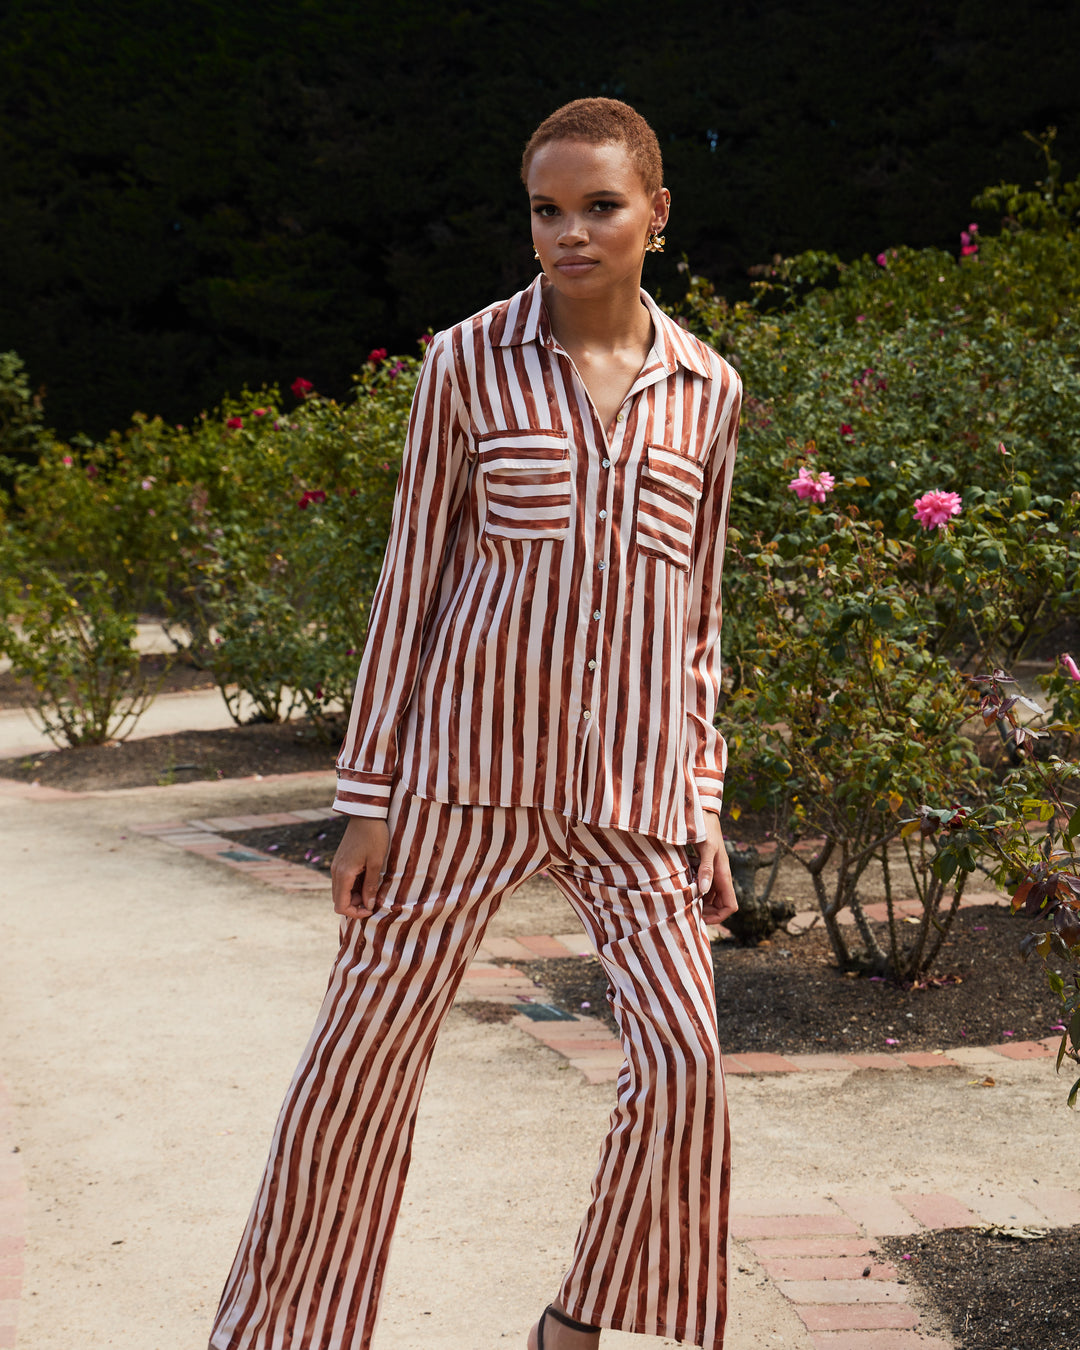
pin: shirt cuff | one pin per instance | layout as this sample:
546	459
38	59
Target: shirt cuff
711	796
363	794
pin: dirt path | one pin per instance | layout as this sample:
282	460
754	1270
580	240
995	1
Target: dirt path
153	1006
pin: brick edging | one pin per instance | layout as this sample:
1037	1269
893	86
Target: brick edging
821	1255
12	1224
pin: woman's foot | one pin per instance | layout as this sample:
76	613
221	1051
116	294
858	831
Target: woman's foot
556	1330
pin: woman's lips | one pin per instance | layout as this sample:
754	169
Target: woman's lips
576	267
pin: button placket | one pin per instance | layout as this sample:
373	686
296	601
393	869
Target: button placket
602	539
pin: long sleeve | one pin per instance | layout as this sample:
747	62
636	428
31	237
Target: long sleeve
703	664
429	493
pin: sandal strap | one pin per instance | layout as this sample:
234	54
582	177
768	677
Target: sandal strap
567	1320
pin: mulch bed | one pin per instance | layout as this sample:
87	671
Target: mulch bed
186	757
993	1292
786	996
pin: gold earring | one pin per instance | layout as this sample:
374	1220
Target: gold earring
655	242
536	253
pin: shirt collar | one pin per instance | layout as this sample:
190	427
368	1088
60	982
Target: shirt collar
524	319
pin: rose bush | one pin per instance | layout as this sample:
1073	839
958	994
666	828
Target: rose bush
255	534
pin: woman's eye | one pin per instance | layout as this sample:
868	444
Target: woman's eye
604	206
546	211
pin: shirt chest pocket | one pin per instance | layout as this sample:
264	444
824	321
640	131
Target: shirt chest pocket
669	492
525	483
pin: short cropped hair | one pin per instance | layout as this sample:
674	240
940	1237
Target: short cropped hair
602	121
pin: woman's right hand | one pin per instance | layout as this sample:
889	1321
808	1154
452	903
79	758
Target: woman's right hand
357	867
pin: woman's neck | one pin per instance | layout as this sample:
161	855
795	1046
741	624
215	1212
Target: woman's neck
613	322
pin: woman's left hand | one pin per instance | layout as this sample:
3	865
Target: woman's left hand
714	874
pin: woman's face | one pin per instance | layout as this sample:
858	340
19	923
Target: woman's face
591	216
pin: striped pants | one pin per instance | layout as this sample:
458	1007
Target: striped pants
651	1251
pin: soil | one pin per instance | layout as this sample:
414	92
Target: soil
186	757
992	1292
787	996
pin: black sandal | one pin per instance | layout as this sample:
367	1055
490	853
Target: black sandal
559	1316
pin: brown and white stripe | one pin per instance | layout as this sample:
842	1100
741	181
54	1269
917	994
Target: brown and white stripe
546	630
651	1252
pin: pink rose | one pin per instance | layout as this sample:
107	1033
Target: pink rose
261	412
1071	668
882	260
933	509
236	423
426	339
968	246
67	461
301	388
816	486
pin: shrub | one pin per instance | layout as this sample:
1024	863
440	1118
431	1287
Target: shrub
843	717
1026	834
69	641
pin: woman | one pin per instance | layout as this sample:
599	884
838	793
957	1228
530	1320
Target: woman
536	693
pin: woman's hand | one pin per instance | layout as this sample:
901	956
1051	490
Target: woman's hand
714	874
358	864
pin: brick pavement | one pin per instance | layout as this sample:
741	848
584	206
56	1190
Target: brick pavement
822	1256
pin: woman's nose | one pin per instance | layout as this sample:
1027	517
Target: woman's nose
573	231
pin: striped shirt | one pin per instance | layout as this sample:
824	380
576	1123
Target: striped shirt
546	628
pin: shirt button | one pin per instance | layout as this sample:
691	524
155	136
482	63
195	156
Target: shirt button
592	665
603	515
606	463
586	714
621	417
596	613
601	566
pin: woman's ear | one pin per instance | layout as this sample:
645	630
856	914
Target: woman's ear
661	209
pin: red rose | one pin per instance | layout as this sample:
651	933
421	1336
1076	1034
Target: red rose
312	495
236	423
301	388
374	357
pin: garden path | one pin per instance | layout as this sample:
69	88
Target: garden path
152	1008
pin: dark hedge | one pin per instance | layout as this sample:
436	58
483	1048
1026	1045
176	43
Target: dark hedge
198	194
